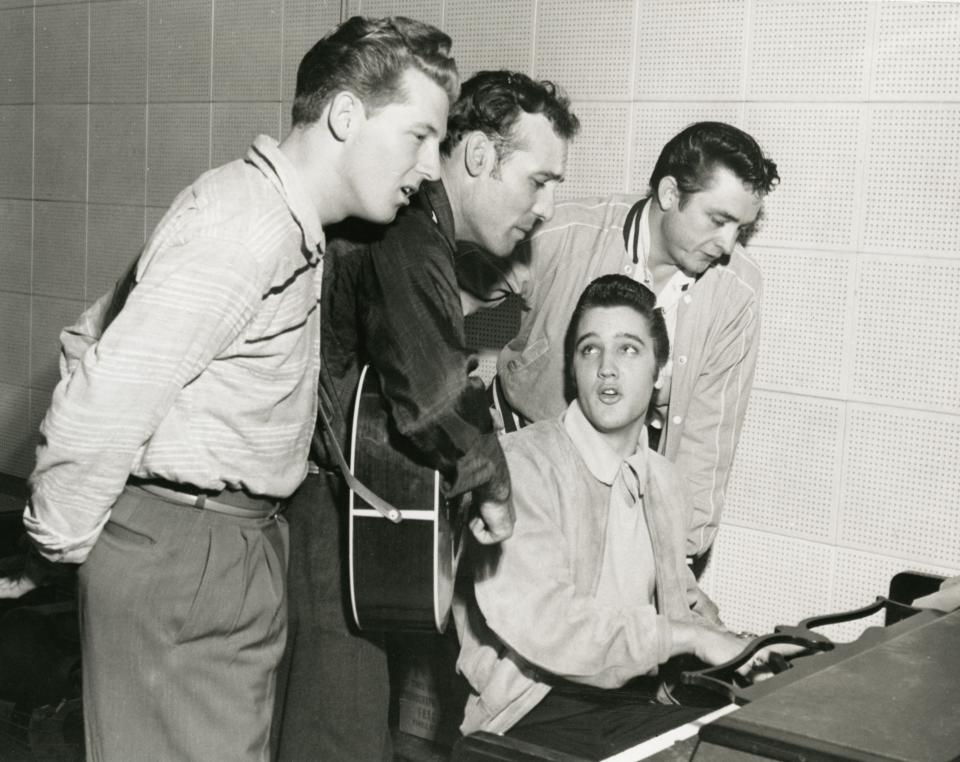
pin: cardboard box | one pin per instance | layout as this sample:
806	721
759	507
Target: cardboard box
430	694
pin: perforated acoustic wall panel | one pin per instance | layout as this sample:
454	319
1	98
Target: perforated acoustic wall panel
845	471
588	53
690	51
235	125
860	578
304	22
118	39
16	55
913	150
788	579
60	171
62	51
429	11
899	495
653	124
116	158
495	34
916	52
595	164
817	49
908	332
16	244
788	474
179	52
805	334
59	249
817	149
178	145
16	435
246	50
114	237
16	145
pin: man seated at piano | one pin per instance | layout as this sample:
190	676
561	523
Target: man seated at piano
592	591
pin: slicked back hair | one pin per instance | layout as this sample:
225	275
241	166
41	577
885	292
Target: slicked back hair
369	57
693	154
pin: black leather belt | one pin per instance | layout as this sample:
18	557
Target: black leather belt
237	503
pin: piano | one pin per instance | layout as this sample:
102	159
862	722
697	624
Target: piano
891	695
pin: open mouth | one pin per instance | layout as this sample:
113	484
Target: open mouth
408	190
609	394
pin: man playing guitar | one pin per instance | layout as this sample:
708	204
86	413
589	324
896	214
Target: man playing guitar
391	299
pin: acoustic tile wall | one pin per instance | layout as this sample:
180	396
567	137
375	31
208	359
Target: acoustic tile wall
847	467
107	110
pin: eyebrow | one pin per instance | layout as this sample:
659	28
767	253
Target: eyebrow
726	215
425	126
623	335
732	218
550	176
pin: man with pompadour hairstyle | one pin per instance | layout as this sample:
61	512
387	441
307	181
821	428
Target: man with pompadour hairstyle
391	299
188	400
683	240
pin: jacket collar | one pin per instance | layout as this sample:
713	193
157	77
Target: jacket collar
599	457
432	198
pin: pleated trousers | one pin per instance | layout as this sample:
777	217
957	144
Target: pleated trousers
183	623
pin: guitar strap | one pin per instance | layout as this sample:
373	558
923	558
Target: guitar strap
369	496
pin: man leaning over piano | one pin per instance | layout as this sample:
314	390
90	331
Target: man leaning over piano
592	590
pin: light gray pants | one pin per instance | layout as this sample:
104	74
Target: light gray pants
183	622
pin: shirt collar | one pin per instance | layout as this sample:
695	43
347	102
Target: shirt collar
601	460
433	199
678	281
265	154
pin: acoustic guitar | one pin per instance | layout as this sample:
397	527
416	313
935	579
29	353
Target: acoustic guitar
402	571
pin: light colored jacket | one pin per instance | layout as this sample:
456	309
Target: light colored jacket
714	353
534	614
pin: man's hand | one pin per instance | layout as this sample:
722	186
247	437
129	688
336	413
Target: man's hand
17	581
947	598
495	521
716	646
706	608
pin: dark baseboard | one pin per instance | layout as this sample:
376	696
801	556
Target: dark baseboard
13	486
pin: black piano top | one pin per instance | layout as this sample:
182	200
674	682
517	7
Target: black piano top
894	694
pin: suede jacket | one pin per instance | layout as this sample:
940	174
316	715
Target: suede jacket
531	613
714	353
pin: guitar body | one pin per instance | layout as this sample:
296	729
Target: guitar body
401	574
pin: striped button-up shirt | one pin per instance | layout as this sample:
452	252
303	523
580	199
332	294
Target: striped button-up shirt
208	375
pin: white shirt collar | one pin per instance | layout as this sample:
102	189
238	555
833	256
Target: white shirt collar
599	457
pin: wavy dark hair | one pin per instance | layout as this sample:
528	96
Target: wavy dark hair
615	291
369	57
492	101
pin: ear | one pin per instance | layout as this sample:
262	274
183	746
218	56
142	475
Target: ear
345	115
478	153
668	194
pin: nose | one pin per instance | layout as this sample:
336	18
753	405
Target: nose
607	367
728	237
428	161
545	202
